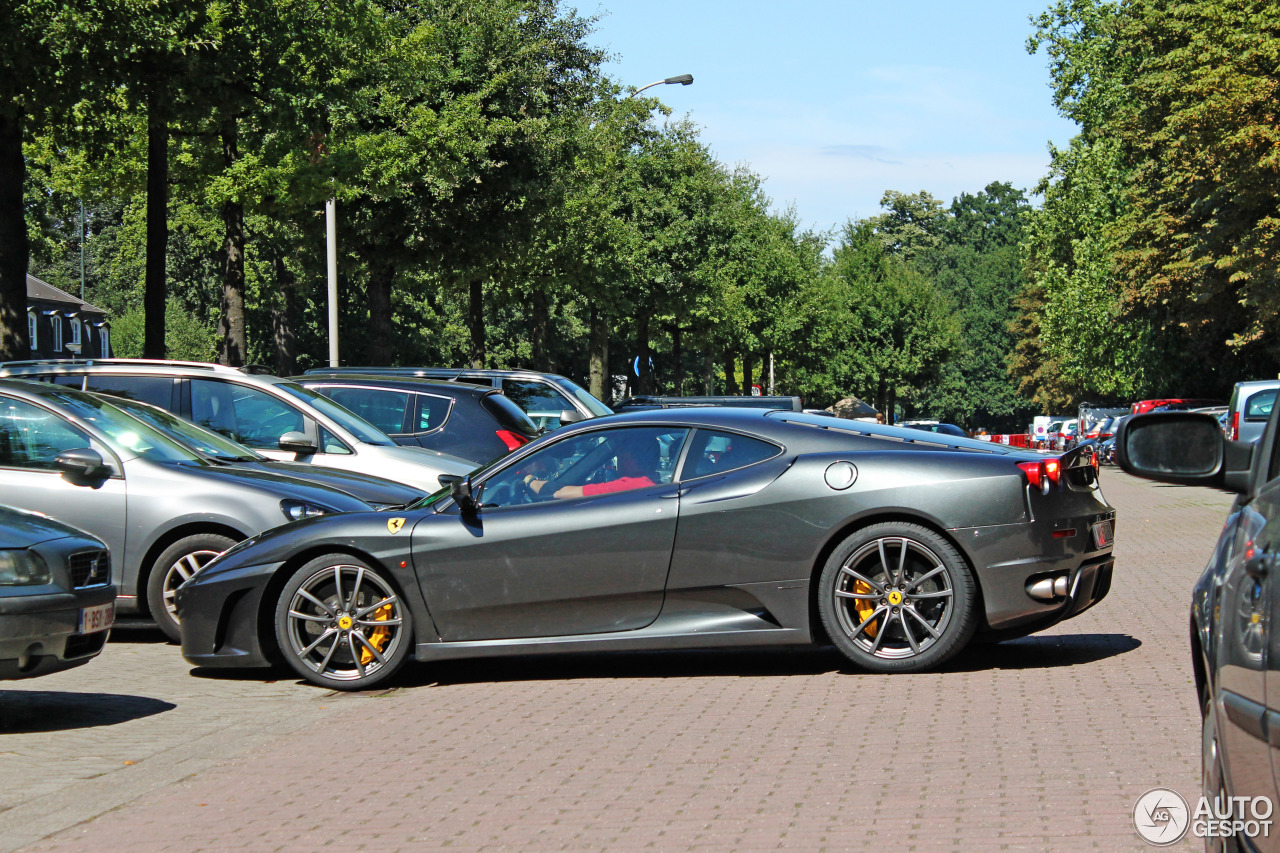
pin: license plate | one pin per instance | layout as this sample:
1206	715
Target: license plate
100	618
1102	534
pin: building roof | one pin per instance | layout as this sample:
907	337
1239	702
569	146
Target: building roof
46	292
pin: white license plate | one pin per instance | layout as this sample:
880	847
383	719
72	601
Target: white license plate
100	618
1102	534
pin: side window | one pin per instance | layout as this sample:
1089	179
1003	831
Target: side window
55	323
248	415
542	402
589	464
433	411
713	452
156	390
30	437
330	443
1259	406
382	407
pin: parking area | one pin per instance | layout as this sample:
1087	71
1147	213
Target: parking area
1043	743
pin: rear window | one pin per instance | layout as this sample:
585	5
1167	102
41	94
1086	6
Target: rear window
1259	405
433	411
508	415
713	452
382	407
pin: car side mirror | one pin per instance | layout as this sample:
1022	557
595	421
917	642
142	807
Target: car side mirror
82	463
570	416
1184	448
297	442
460	491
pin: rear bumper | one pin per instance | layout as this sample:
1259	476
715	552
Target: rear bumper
1006	580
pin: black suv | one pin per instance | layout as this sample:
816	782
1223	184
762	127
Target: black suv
545	397
474	423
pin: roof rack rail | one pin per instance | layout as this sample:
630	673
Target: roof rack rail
86	362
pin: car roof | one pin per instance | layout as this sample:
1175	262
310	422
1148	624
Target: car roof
437	372
58	366
404	383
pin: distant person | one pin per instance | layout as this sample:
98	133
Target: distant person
879	417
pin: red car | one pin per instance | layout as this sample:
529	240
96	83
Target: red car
1143	406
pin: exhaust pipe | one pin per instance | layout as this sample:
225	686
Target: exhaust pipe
1049	589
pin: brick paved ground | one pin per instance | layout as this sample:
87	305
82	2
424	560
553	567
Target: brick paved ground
1039	744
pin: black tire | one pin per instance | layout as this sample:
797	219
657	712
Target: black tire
897	597
172	569
342	624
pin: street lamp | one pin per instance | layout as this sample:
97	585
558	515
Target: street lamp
682	79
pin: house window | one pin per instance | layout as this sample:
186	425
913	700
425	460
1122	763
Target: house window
31	330
75	333
55	321
104	334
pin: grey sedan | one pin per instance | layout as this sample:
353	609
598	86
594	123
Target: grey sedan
163	510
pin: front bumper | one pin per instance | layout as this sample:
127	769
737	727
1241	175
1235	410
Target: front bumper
39	633
219	615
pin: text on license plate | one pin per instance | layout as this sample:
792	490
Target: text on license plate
98	618
1102	534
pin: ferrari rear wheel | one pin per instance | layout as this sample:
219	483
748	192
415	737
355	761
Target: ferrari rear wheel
340	623
897	597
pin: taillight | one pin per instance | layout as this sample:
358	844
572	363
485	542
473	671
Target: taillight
511	439
1042	474
1235	427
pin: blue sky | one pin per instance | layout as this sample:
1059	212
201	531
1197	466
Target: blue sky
833	103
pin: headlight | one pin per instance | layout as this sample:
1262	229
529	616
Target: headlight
22	568
295	510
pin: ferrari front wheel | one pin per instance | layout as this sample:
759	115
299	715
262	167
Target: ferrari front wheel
897	597
340	623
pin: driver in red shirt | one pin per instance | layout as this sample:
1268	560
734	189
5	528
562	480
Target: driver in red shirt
632	474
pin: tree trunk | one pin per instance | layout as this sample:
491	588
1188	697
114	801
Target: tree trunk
381	330
708	371
538	331
644	376
880	399
730	374
15	250
677	355
746	372
601	386
231	332
156	286
475	318
283	334
891	404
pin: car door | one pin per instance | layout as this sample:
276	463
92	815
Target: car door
526	565
1249	618
30	439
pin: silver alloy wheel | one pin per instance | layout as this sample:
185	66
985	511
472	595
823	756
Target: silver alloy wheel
344	623
179	573
894	597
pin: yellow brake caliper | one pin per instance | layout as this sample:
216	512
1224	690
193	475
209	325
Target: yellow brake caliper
864	607
378	637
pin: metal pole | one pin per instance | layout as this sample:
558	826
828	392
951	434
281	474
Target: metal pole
770	373
331	234
82	250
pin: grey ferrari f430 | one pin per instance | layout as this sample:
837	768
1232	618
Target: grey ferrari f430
678	528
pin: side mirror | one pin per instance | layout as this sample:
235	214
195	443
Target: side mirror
460	491
570	416
80	463
297	442
1184	448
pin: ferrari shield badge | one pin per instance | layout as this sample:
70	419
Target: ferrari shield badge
394	524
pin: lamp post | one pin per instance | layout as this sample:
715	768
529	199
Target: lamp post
682	79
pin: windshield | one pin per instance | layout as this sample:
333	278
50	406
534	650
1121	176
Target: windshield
196	437
127	431
348	420
597	408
